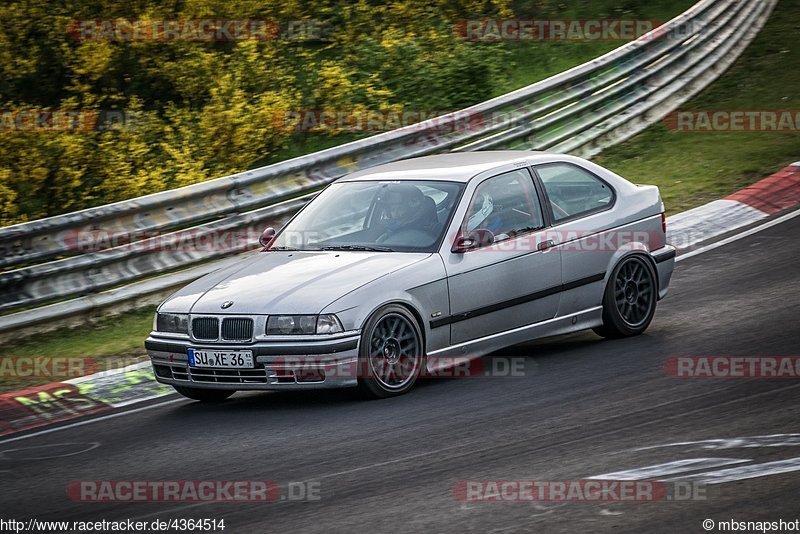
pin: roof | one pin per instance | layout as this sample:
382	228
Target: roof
454	166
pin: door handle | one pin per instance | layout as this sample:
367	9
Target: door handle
544	245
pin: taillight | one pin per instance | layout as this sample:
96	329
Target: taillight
664	222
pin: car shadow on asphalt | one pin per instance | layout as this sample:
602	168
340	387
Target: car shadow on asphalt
529	357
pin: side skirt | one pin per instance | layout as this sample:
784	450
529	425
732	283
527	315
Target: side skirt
583	320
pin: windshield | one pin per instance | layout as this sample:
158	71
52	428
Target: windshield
407	216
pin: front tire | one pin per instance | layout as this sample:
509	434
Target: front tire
391	353
204	395
629	301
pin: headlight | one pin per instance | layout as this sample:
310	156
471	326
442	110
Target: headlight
177	323
328	324
283	325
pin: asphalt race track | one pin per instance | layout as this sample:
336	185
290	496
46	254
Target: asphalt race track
584	407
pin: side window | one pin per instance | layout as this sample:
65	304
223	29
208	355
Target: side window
572	190
505	205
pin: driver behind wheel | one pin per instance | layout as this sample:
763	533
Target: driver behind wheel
403	208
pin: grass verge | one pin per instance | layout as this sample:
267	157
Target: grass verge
692	168
107	344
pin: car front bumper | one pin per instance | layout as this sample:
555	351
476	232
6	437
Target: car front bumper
316	364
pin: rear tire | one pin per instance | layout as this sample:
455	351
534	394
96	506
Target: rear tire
204	395
629	301
391	353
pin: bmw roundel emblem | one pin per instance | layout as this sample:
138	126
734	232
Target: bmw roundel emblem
227	304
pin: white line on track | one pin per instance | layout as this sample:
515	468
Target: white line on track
669	468
90	421
743	472
736	237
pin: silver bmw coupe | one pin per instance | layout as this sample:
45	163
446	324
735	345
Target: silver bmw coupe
404	269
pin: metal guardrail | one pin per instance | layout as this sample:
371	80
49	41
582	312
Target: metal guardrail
580	111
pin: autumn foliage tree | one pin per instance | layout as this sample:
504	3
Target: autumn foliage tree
186	111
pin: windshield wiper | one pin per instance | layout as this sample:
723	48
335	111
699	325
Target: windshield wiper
358	247
279	249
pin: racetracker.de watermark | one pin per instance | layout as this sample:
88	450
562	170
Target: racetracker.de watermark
46	366
383	120
492	30
320	367
736	120
141	241
366	120
197	30
582	490
63	121
733	366
91	491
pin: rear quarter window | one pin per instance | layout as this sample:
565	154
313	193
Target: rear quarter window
573	191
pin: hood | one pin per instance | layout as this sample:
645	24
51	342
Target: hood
286	282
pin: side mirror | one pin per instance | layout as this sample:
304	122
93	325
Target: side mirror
472	240
267	236
463	243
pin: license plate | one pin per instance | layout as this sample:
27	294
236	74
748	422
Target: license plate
226	359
